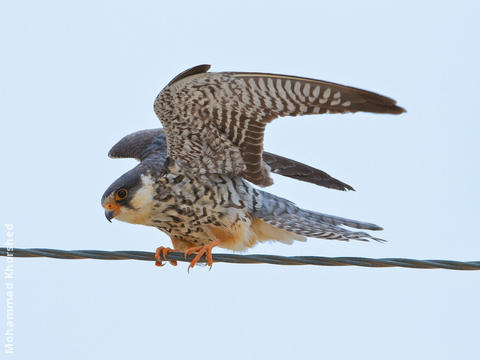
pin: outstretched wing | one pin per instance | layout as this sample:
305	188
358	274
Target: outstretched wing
214	122
152	142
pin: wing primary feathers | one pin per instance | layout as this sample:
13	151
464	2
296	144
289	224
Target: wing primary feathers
362	100
296	170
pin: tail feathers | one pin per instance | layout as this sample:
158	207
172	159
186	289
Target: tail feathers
336	220
317	229
283	214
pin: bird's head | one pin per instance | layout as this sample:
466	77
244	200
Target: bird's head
131	197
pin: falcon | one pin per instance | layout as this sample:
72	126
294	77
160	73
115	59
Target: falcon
196	176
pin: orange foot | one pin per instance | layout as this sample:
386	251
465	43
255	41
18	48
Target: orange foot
202	250
163	251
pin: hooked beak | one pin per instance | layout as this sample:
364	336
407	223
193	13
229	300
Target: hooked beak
109	214
111	210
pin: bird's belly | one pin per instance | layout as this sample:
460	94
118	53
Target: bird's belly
233	227
202	226
205	210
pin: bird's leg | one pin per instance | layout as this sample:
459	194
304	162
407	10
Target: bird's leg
202	250
162	252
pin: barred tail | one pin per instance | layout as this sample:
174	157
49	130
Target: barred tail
284	214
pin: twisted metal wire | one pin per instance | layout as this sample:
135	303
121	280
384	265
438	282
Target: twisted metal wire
246	259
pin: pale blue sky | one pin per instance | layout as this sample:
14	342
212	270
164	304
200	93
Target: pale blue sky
77	76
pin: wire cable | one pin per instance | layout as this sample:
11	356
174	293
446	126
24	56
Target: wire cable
246	259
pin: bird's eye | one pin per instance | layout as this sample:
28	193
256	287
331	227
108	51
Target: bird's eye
121	194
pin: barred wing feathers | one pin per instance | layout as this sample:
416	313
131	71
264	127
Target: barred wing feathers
214	122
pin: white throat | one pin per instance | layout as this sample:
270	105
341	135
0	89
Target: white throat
141	204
